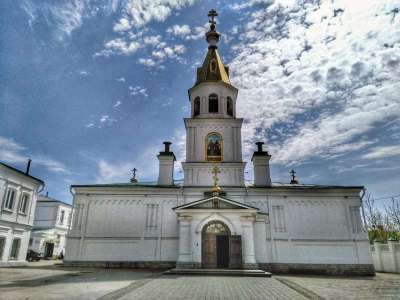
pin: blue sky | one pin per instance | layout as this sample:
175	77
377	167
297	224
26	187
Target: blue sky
89	89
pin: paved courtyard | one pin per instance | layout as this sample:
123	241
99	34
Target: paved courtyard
46	280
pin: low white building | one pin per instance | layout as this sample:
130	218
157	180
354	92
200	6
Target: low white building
214	219
18	195
52	219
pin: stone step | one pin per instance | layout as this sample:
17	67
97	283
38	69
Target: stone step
218	272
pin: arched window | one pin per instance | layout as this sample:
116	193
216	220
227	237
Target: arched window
213	66
214	147
196	106
213	103
229	106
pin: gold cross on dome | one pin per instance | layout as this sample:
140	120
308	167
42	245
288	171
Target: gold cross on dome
212	14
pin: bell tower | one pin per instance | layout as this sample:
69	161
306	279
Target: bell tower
213	133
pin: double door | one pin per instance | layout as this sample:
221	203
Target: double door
221	251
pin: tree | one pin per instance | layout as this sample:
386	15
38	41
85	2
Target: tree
393	213
373	217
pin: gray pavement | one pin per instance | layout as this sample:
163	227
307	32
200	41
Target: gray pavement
47	280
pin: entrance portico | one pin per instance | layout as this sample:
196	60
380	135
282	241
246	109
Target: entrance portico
216	232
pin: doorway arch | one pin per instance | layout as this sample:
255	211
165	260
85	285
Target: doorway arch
215	250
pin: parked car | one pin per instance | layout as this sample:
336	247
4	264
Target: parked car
33	256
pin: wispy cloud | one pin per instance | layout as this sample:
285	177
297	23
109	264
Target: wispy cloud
117	104
12	152
382	152
146	162
138	90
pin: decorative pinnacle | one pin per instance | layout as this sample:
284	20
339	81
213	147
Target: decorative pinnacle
212	36
133	179
167	146
212	14
293	175
259	146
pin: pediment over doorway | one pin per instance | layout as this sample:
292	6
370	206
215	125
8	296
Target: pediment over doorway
215	202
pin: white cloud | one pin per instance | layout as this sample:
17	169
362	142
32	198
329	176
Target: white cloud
137	13
12	152
121	79
131	29
121	46
118	103
382	152
106	120
138	90
84	73
184	31
89	125
179	30
63	16
313	83
147	62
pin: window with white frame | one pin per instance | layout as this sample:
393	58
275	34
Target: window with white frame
16	244
10	199
24	203
62	216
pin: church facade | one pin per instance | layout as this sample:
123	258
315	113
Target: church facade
214	219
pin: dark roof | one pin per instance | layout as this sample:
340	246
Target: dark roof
22	173
127	184
278	185
49	199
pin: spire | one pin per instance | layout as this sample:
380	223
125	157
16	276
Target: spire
213	68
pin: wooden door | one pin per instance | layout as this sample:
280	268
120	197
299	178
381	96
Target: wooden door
235	252
209	251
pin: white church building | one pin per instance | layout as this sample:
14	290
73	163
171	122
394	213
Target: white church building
214	219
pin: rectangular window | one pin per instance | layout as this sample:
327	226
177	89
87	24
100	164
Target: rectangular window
62	215
151	216
355	219
2	245
279	218
10	199
15	249
30	241
24	204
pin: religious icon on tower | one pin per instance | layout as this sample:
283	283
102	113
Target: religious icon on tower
214	147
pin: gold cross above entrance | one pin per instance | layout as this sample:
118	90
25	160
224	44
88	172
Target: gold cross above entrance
215	172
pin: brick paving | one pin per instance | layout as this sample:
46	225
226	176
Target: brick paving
41	281
213	287
383	286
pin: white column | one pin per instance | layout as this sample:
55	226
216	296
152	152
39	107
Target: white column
249	258
185	253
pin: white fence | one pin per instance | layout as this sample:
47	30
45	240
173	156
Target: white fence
386	257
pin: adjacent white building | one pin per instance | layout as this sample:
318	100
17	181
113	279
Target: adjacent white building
214	219
51	223
18	195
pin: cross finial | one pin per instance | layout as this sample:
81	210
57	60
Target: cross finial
215	172
293	175
212	14
133	179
